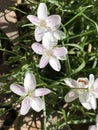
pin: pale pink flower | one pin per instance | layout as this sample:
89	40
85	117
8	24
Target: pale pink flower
84	89
50	54
30	94
92	127
45	23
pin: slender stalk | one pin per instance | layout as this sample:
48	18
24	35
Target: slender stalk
44	113
96	25
77	15
68	67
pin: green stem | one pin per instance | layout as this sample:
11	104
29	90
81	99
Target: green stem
96	25
68	67
44	113
80	35
77	15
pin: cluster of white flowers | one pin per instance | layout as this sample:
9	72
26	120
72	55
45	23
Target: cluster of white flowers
47	31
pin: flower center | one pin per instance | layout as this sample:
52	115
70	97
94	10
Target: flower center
42	23
49	53
30	93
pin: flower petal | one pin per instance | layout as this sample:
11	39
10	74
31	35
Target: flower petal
17	89
93	102
95	90
38	48
37	104
84	99
49	41
71	83
39	32
43	61
41	91
91	80
96	84
53	21
86	105
60	53
71	96
33	19
29	81
92	127
42	11
25	106
55	64
59	34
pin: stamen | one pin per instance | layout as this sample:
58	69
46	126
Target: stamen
82	81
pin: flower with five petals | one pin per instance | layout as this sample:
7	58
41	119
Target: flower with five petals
50	54
30	94
45	23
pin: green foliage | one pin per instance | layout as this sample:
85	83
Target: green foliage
79	22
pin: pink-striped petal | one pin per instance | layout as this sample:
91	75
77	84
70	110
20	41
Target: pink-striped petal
29	81
25	106
59	35
17	89
53	21
33	19
60	53
55	64
43	61
37	104
41	92
38	48
42	11
39	32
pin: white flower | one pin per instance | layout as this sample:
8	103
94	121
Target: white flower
30	93
46	23
94	127
84	89
50	54
77	87
88	98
